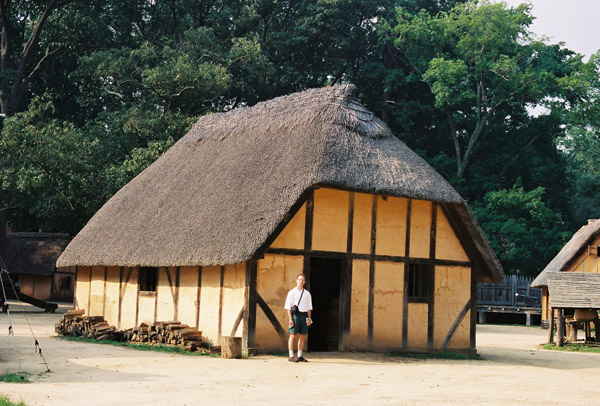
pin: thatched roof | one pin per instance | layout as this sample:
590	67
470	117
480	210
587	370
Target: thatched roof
574	290
218	194
34	253
570	252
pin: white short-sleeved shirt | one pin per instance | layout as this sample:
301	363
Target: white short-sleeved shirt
293	297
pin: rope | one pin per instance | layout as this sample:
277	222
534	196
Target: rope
37	347
10	327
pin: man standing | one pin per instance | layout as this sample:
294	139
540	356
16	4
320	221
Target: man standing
299	308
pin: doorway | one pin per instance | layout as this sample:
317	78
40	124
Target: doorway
324	287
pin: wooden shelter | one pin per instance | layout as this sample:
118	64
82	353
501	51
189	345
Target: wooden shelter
577	294
579	255
31	260
215	231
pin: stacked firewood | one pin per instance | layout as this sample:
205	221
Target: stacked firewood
167	333
171	333
74	323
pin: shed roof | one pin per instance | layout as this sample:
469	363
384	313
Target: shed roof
34	253
570	252
574	290
217	195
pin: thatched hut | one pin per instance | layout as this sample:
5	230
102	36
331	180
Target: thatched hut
215	231
580	255
31	259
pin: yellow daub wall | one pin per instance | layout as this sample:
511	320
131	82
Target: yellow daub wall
234	283
452	293
276	275
388	294
188	295
359	305
361	227
293	234
391	226
96	305
420	228
447	245
129	292
82	288
114	295
111	305
330	220
165	292
210	303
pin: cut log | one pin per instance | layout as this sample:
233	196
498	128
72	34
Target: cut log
231	347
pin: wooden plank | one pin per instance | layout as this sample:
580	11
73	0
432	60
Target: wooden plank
407	239
104	292
176	297
284	222
346	282
431	302
249	335
371	304
308	235
456	323
198	296
272	318
345	304
90	293
406	279
431	307
237	322
367	257
560	330
473	327
137	299
122	288
156	289
222	278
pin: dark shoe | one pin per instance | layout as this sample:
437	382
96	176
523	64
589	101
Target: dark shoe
294	359
302	359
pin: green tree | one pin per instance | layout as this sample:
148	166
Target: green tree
523	231
478	65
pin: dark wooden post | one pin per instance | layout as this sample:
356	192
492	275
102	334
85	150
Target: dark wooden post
551	327
560	330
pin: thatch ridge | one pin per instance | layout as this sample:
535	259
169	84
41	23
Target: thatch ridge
217	195
570	252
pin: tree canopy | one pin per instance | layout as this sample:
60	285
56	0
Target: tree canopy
92	92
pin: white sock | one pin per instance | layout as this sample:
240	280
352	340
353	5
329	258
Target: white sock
291	353
299	353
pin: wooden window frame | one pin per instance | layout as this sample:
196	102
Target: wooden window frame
420	278
148	280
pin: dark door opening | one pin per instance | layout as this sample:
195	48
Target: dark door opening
325	274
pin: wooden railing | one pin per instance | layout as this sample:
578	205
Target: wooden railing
512	291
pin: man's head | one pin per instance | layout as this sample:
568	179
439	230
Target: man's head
300	281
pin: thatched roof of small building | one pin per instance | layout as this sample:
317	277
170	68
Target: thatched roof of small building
570	252
217	195
34	253
574	290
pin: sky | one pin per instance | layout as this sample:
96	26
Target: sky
574	22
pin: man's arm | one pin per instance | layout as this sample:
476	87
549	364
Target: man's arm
289	312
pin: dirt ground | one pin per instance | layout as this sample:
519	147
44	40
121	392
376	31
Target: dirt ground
512	370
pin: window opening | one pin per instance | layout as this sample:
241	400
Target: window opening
419	282
147	277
